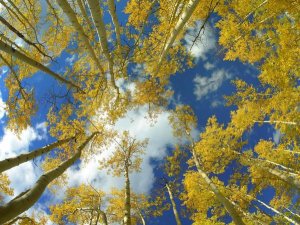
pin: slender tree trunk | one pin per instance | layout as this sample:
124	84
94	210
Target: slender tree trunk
142	218
13	52
112	12
96	12
84	14
20	35
288	169
276	122
12	13
296	216
228	206
92	217
176	214
247	214
21	89
11	43
104	218
285	176
65	6
277	212
9	163
191	6
127	208
27	199
250	13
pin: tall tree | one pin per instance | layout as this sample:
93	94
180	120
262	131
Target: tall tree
125	159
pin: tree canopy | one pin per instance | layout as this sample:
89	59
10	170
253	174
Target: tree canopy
124	56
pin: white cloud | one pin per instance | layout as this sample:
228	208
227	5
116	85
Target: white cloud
206	85
204	44
209	66
216	103
2	107
160	136
276	136
71	59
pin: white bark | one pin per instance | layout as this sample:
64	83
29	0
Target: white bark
20	35
96	12
112	11
7	164
221	198
176	214
247	214
127	208
13	52
285	176
276	122
65	6
294	214
277	212
142	218
84	14
27	199
191	6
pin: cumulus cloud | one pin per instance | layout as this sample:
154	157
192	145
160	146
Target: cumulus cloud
204	44
209	66
206	85
216	103
160	136
2	107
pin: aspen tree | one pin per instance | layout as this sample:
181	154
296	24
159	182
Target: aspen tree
9	163
26	199
81	205
183	120
125	159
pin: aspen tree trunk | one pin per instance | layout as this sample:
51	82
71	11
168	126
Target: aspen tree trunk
221	198
9	163
104	218
284	176
127	208
228	206
21	89
276	122
288	170
250	13
96	12
10	11
176	214
246	214
112	12
64	5
142	218
92	217
85	15
11	43
20	35
294	214
97	219
277	212
27	199
191	6
13	52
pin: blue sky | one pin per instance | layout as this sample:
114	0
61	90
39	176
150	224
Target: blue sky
201	87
